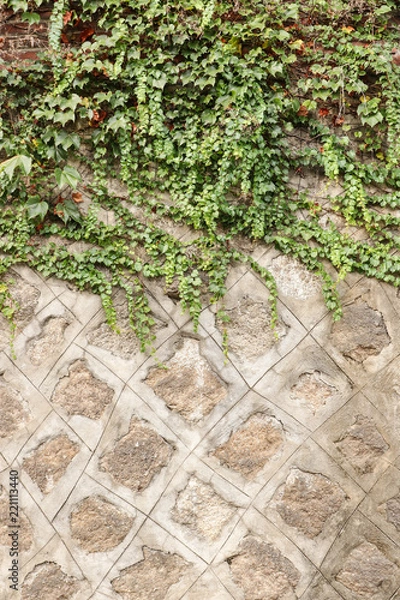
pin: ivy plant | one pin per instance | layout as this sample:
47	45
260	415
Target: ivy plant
193	106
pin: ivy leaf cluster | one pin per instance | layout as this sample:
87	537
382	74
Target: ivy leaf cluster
193	106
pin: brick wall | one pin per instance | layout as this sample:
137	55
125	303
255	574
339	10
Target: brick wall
19	40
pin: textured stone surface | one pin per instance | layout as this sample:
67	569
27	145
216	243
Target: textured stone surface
312	390
307	500
47	581
25	533
293	279
249	330
80	393
367	572
24	297
362	444
137	457
49	462
393	511
49	341
14	410
188	386
123	343
98	525
150	578
202	510
252	445
361	332
263	572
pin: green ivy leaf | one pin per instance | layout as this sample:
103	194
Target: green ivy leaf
67	176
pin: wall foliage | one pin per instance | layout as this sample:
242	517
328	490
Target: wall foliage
194	105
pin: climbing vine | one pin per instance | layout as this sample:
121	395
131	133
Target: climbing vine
195	107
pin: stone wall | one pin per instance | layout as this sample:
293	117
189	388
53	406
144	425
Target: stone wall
274	475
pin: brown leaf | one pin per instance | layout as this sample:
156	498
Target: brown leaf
77	197
67	17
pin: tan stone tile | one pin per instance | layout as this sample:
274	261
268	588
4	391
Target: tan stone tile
137	455
253	346
196	388
54	571
45	340
120	351
22	409
363	562
200	508
382	505
155	565
251	442
359	439
298	288
83	392
51	463
259	562
366	338
34	530
96	526
309	499
307	384
384	393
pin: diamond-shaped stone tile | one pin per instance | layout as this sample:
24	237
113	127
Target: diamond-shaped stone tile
137	455
51	463
186	383
96	526
382	505
251	442
257	562
310	499
200	508
22	409
198	386
359	439
363	562
254	346
365	339
155	565
307	384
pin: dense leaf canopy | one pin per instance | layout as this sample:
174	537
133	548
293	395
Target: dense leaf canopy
204	110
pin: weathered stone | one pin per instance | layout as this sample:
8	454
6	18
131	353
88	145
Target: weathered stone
293	278
49	462
263	572
393	511
47	581
249	329
151	577
361	332
307	500
252	445
312	390
137	457
49	341
188	386
80	393
362	444
98	525
124	342
367	572
202	510
24	298
14	411
25	532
